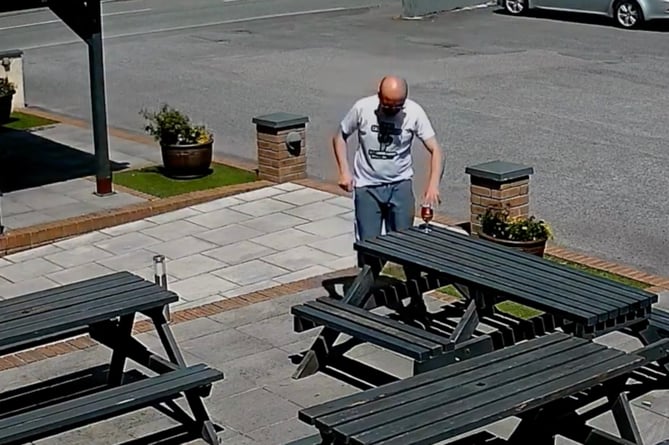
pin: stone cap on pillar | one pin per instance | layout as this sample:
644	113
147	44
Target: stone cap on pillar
11	53
499	171
280	121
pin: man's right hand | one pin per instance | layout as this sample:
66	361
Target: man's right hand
346	182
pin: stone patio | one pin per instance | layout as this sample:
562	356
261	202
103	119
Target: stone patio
220	249
54	164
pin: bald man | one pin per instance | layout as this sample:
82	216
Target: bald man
382	177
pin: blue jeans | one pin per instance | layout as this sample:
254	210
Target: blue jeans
393	203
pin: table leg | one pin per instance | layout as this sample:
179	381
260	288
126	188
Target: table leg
120	353
167	338
321	350
622	413
360	290
414	288
208	432
467	325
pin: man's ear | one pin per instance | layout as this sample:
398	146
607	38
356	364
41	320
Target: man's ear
378	87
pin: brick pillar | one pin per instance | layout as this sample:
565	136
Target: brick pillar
498	185
281	142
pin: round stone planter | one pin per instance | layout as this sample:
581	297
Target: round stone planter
5	108
187	161
533	247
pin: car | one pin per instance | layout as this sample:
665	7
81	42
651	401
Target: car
626	13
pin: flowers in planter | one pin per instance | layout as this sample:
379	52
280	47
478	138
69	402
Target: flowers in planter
498	224
169	126
7	88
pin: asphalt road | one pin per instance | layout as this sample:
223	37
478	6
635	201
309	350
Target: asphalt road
584	103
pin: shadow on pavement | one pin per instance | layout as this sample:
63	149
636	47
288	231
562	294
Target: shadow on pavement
28	160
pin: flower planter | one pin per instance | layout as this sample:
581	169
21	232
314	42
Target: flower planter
532	247
187	161
5	108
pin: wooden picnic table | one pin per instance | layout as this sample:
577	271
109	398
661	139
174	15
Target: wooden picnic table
534	380
585	304
485	273
105	308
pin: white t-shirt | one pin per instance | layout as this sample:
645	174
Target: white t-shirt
384	151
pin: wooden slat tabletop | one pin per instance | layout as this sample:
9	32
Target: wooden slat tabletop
77	305
460	398
575	295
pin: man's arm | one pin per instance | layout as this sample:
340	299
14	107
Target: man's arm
427	135
345	180
347	126
436	170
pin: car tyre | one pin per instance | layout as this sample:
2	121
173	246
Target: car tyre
627	14
515	7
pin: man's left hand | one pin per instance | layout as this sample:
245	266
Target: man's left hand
431	196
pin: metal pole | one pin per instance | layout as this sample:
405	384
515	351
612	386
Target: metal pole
103	177
160	278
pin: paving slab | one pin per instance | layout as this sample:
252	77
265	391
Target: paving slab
250	272
217	204
174	230
202	286
78	273
228	234
127	242
28	270
303	196
286	239
217	218
259	194
179	248
193	265
77	256
316	211
240	252
262	207
274	222
294	259
40	205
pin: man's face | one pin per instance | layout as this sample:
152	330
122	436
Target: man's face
390	106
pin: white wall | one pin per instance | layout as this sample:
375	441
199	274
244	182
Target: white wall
11	66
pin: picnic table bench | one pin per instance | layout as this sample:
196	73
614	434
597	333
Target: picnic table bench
104	308
656	327
531	380
346	316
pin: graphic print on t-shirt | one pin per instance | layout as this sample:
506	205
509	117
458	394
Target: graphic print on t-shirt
386	132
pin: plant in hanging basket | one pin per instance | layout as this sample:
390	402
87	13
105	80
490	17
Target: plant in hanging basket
187	148
7	91
7	88
526	233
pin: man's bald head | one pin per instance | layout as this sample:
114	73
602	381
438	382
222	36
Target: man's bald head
394	88
393	92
